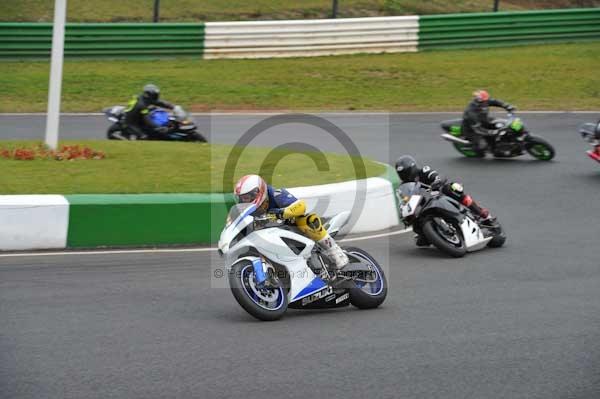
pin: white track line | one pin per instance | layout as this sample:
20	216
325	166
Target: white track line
166	250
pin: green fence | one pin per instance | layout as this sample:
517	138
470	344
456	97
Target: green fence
23	40
508	28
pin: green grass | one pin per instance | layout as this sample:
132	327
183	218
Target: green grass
533	77
212	10
159	167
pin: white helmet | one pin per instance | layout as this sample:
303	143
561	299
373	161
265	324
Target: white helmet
251	189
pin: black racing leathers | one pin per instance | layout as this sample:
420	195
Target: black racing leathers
454	190
136	112
477	122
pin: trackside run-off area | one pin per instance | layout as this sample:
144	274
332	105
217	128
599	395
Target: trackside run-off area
533	77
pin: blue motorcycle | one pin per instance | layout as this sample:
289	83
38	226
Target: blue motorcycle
163	125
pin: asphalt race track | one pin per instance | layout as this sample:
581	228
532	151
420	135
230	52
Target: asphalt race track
522	321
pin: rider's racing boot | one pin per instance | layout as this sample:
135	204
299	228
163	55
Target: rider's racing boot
483	213
333	252
421	241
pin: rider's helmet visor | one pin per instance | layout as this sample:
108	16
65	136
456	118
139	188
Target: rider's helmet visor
249	196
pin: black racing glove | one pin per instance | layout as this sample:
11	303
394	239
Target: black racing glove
511	108
437	185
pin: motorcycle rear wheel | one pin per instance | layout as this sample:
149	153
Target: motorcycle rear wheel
432	233
197	137
115	128
499	239
367	295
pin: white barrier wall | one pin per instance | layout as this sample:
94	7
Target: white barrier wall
42	221
267	39
372	201
33	222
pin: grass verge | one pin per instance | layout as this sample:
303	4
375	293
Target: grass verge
214	10
533	77
158	167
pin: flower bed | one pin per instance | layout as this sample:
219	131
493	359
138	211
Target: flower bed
63	153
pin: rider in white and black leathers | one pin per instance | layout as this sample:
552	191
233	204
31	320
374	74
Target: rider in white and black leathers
409	171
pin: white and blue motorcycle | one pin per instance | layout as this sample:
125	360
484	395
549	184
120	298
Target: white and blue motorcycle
271	267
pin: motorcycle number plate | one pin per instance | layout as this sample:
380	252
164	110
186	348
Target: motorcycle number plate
409	208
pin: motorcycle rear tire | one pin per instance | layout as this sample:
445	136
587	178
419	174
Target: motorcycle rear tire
114	128
197	138
358	297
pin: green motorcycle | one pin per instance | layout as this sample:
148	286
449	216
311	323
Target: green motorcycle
511	139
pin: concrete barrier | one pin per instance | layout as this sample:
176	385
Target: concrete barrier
33	222
92	221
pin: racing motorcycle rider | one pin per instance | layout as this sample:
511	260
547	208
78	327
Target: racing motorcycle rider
408	171
476	119
281	203
139	107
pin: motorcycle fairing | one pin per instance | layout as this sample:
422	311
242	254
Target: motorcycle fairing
473	236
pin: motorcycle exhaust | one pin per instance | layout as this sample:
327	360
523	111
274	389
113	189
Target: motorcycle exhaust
449	137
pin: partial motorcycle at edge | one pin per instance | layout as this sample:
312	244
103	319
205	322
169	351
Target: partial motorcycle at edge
591	133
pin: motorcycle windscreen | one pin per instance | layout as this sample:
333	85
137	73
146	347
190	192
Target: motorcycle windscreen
239	211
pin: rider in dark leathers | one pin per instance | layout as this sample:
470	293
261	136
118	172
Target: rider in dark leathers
476	119
408	171
138	110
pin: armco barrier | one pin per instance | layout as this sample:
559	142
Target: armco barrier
303	38
268	39
21	40
87	221
508	28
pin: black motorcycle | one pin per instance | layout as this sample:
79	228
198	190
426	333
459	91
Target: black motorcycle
446	223
510	140
162	125
591	133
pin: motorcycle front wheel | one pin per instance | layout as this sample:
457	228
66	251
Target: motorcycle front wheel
446	238
539	148
265	304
